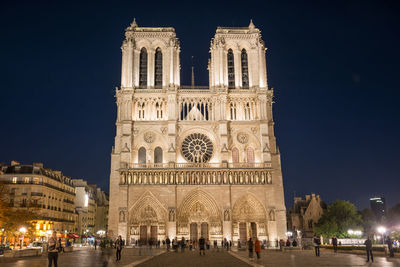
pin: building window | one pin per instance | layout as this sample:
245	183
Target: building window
231	70
158	69
142	155
141	107
235	155
233	111
159	110
27	180
247	111
158	155
143	68
250	155
15	180
245	70
310	224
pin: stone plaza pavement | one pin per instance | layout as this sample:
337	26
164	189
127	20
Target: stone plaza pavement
307	258
131	257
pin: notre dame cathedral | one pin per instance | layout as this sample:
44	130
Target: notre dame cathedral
193	161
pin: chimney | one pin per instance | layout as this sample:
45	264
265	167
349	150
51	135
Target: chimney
14	162
38	164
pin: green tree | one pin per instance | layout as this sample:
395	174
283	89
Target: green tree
12	219
393	216
369	221
339	217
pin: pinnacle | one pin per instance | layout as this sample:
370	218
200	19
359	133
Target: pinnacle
251	25
134	24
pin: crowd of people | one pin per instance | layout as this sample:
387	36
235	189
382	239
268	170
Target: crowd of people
204	244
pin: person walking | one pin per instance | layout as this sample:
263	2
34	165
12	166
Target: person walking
250	248
53	247
168	242
257	248
202	243
95	244
216	245
334	243
368	248
317	244
118	245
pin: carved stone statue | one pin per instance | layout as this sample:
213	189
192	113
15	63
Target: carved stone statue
272	215
122	216
227	215
171	217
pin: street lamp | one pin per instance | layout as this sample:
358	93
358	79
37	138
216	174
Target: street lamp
22	230
382	230
350	232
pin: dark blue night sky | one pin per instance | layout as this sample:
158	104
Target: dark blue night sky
334	66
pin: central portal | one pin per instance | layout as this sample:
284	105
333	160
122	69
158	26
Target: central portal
204	230
193	231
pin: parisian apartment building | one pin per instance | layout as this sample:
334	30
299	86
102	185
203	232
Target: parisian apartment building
59	202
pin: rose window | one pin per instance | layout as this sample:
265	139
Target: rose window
197	148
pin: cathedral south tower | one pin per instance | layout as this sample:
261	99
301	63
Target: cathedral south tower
193	161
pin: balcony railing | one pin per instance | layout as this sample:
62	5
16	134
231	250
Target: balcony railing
42	184
240	165
195	176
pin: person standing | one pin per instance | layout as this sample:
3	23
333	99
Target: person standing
183	244
250	248
334	243
118	245
168	241
95	244
216	245
53	247
202	243
317	244
257	248
368	248
389	242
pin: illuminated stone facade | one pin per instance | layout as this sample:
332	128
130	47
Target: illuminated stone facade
188	160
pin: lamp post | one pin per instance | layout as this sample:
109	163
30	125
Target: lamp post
2	236
382	231
22	230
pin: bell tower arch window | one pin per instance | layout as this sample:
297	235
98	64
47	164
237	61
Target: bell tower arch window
158	155
158	69
235	155
143	68
250	155
231	70
142	155
245	70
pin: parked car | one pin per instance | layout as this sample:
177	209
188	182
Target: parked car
4	248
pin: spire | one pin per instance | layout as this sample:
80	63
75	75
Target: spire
251	25
134	24
192	73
